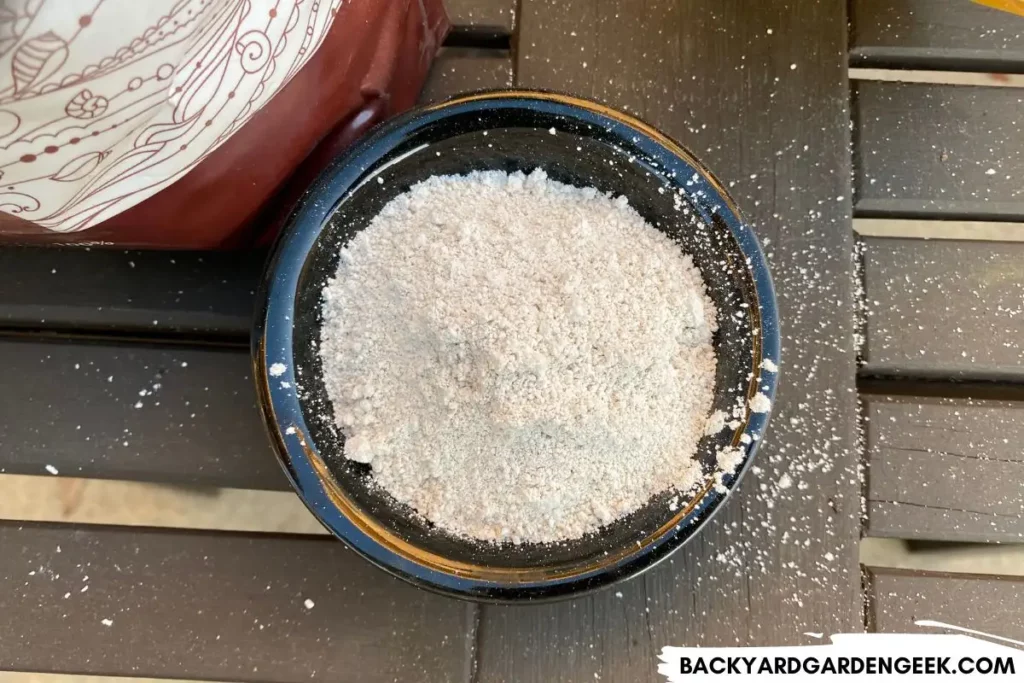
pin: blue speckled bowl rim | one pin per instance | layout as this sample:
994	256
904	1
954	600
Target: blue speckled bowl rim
273	339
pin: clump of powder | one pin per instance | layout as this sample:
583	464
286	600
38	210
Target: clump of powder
716	422
518	359
760	403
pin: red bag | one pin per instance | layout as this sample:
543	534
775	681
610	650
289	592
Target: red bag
371	63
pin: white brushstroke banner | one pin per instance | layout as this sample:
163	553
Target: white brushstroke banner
856	657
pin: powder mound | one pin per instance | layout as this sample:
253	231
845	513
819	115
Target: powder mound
518	359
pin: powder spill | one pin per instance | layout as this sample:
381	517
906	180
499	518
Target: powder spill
518	359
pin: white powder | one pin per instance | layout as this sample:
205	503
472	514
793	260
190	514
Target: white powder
716	422
729	459
517	359
760	403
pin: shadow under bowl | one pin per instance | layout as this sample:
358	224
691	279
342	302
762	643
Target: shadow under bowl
575	142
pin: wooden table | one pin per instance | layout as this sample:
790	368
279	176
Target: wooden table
761	92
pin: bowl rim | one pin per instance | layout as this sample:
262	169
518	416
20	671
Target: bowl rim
282	412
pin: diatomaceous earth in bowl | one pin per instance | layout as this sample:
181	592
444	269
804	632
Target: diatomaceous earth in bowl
517	359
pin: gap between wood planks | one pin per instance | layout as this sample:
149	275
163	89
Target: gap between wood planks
960	558
995	80
992	391
33	677
987	231
76	500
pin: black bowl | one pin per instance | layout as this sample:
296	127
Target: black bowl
575	142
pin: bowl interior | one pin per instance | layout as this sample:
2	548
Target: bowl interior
572	151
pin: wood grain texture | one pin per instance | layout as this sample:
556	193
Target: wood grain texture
497	14
944	309
992	604
75	409
935	34
130	292
459	70
945	469
224	606
777	561
945	151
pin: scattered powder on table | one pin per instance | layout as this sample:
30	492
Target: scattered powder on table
518	359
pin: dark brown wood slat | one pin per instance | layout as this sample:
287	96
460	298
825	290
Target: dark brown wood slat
72	406
935	34
774	563
129	292
944	309
945	469
991	604
494	14
459	70
943	151
223	606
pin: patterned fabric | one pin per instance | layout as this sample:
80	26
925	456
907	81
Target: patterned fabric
103	103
